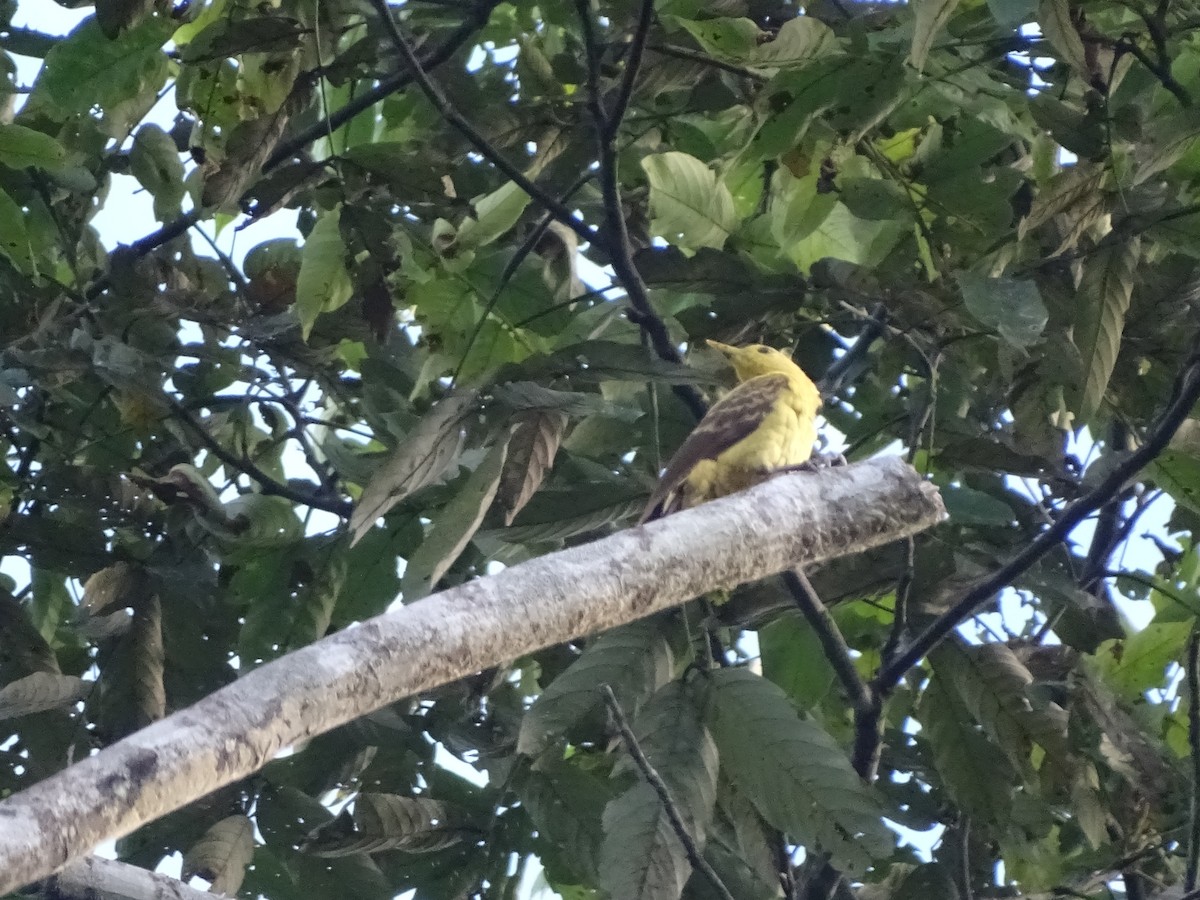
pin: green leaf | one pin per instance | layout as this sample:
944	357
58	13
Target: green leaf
1168	140
967	506
1139	663
154	161
634	660
688	203
874	198
21	147
931	17
423	458
725	37
1055	18
565	799
116	76
794	773
14	238
842	235
980	781
259	521
642	856
1011	14
323	283
793	658
994	687
453	526
1178	473
1102	300
799	40
495	214
1012	306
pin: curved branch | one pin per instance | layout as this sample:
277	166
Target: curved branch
1184	396
481	144
475	19
619	250
266	484
695	857
468	628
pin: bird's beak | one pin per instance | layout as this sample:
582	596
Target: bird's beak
723	348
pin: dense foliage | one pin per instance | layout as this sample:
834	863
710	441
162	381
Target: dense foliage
978	222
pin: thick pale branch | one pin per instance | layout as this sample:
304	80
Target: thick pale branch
96	878
792	520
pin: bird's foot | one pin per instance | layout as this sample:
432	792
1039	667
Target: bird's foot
815	464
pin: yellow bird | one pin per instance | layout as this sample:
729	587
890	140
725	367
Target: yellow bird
768	422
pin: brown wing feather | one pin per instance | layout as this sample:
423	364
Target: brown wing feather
730	419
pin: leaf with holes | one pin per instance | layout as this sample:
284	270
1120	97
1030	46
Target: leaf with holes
689	204
222	855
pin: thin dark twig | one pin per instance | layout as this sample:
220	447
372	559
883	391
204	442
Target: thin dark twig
619	249
1159	70
266	483
633	64
1193	684
832	643
1155	23
481	144
477	16
874	328
900	608
1183	397
142	246
964	858
664	795
868	708
704	59
510	269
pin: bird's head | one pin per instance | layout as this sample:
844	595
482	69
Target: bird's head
757	359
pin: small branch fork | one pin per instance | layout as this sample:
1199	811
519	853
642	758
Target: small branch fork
606	125
678	826
265	482
1184	396
867	697
456	120
477	16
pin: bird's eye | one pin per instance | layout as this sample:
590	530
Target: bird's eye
764	349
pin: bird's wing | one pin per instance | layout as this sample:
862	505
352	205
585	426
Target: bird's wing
730	419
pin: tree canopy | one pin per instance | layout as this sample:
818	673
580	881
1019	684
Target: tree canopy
976	224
